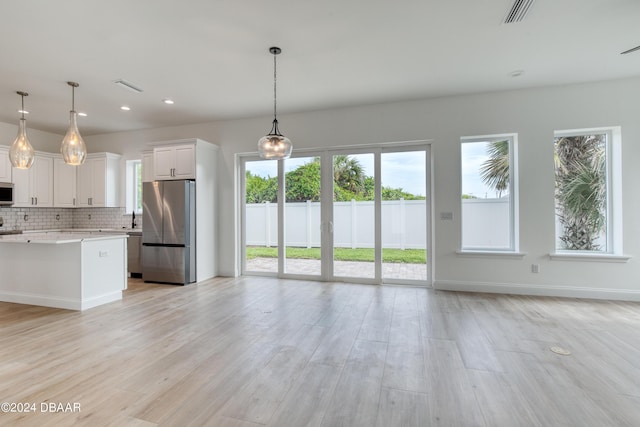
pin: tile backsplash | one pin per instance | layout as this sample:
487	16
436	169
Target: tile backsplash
53	218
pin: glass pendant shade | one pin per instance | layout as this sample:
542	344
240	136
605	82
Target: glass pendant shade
73	148
21	153
274	146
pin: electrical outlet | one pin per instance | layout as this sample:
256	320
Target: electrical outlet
535	268
103	253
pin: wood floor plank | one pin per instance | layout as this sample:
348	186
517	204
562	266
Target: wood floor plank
403	408
357	394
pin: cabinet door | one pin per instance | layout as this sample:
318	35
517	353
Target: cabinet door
64	184
185	162
22	187
147	167
42	181
99	180
85	183
163	162
5	165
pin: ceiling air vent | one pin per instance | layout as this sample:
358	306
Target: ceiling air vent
518	11
127	85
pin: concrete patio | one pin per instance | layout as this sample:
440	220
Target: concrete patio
341	268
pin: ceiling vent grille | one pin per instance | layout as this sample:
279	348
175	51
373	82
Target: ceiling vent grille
127	85
518	11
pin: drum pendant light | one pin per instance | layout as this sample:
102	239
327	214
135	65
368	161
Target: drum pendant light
73	148
21	153
274	145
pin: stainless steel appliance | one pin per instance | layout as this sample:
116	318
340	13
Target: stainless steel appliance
6	194
168	232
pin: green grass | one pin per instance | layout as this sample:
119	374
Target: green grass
406	256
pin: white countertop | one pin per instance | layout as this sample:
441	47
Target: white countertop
58	237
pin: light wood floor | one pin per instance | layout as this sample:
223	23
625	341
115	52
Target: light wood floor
259	351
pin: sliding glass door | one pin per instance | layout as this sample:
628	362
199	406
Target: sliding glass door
357	215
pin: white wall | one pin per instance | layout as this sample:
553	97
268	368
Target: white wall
534	114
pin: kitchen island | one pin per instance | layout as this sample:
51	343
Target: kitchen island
74	271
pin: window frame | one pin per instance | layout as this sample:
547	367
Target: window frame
613	176
131	186
514	225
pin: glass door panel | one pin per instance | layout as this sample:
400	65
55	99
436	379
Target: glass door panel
302	232
261	216
404	215
354	217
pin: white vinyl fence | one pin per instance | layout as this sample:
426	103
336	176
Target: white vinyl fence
404	224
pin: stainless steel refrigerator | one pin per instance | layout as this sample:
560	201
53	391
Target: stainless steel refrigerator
168	231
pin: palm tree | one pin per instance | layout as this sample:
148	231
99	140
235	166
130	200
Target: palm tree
495	170
348	174
581	190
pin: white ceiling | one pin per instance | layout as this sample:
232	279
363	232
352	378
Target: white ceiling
212	58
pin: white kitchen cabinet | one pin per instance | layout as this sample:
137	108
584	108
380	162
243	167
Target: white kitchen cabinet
98	181
33	187
147	167
5	165
174	162
64	184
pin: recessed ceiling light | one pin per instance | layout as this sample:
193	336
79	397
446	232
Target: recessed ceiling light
516	73
23	111
168	101
125	108
82	114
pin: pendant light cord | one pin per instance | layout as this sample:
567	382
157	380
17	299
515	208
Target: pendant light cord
275	117
73	98
22	111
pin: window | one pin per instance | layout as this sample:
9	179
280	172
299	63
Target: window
489	193
587	165
134	186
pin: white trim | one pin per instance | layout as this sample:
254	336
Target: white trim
588	257
491	254
538	290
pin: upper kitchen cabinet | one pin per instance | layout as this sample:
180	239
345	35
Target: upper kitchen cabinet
175	162
64	184
98	181
5	165
33	187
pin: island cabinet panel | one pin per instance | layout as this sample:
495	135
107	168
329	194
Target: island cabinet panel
5	165
98	181
63	270
174	162
64	184
33	187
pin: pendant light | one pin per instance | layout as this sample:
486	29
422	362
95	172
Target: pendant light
21	153
73	148
274	145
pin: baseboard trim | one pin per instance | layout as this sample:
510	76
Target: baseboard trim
56	302
539	290
42	300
